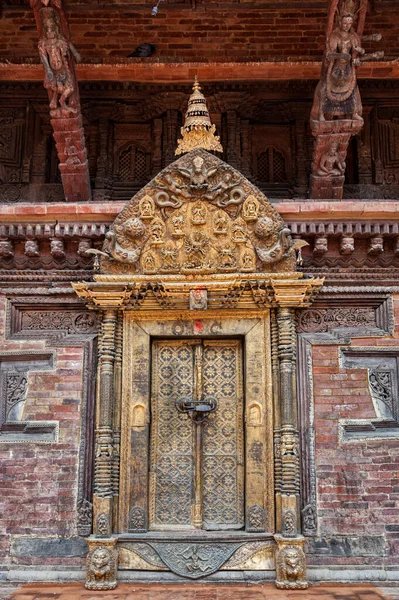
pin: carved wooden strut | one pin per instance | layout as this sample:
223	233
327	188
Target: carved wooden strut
336	114
58	57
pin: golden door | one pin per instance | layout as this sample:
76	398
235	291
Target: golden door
197	469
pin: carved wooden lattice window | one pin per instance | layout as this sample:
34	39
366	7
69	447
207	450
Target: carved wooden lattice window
134	165
271	166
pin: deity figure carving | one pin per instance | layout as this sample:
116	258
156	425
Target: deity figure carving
172	193
309	521
239	231
147	208
169	255
102	525
226	192
330	162
196	246
198	214
72	153
101	568
220	222
178	223
85	517
248	261
250	209
337	93
157	231
289	524
56	53
336	114
198	176
149	265
198	299
227	256
291	567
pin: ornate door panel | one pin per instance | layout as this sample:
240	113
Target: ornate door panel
172	443
223	437
193	474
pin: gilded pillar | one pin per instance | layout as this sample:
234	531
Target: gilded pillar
116	436
102	558
277	417
290	558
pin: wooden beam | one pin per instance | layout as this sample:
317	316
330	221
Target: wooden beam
155	72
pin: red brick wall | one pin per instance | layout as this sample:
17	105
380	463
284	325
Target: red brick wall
187	35
38	482
358	481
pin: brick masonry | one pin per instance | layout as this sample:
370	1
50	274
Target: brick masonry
357	481
208	33
39	481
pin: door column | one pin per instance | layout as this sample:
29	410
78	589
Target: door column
102	547
290	558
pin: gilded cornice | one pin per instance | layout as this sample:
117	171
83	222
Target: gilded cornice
249	293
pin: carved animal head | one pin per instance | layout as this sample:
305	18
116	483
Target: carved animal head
100	558
134	228
292	560
264	227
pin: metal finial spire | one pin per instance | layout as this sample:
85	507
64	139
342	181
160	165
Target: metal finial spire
198	131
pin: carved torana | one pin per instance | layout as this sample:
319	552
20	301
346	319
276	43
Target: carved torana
198	216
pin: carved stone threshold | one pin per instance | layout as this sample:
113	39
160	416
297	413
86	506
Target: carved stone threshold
196	535
182	72
254	292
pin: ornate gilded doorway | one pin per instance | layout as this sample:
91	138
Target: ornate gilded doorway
197	464
197	290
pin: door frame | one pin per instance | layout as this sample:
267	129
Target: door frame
138	331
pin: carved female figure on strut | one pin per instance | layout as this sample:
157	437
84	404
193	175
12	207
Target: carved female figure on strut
338	93
55	53
343	47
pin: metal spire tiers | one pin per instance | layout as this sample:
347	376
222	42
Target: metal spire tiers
198	131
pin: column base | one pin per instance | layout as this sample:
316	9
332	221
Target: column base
290	563
101	564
